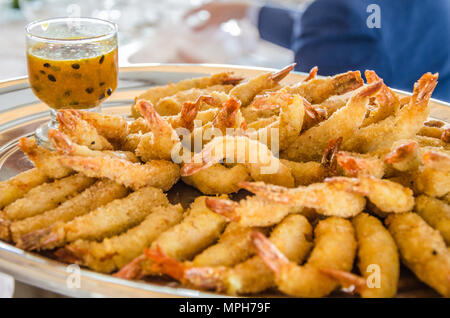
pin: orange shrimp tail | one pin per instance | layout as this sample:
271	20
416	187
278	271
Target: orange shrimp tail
401	152
68	118
312	74
232	80
436	160
68	255
351	282
223	207
165	264
424	87
348	82
61	142
192	168
445	137
33	240
226	117
278	76
329	160
348	184
268	252
132	270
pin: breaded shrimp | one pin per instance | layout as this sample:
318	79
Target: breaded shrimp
436	213
112	127
306	173
199	229
19	185
154	94
259	160
100	193
326	198
289	123
47	196
159	143
218	179
335	248
404	155
245	92
438	160
377	255
403	125
432	182
80	131
45	160
388	102
105	221
319	89
292	236
354	164
422	250
388	196
158	173
65	146
343	123
115	252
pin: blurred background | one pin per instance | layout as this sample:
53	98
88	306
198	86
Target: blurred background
149	31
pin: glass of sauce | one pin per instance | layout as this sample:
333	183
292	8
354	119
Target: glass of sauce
72	63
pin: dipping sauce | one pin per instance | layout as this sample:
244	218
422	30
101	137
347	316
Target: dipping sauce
80	77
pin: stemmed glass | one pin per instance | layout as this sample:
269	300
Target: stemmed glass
72	63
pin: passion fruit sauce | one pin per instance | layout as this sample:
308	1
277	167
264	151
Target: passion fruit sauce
80	76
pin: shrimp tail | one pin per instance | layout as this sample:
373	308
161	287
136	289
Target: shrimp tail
268	252
278	76
312	74
132	270
272	192
165	264
329	158
68	255
352	283
68	118
401	152
61	142
33	240
223	207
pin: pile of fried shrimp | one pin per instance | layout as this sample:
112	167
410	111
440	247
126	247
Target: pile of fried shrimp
361	185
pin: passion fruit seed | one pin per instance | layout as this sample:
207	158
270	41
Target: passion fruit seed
73	103
46	64
67	93
109	91
102	96
102	59
51	78
89	90
76	66
42	72
101	83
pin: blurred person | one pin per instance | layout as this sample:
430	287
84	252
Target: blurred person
411	37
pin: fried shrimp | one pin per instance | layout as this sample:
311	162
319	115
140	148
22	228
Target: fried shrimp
289	123
19	185
154	94
405	124
105	221
259	160
245	92
354	164
47	196
388	196
115	252
422	250
218	179
436	160
80	131
65	146
343	123
100	193
112	127
404	155
318	90
159	143
45	160
432	182
325	198
436	213
376	247
292	236
158	173
306	173
335	248
388	102
199	229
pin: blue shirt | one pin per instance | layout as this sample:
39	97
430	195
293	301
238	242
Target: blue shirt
413	38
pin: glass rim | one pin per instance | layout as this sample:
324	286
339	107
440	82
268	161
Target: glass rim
29	33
